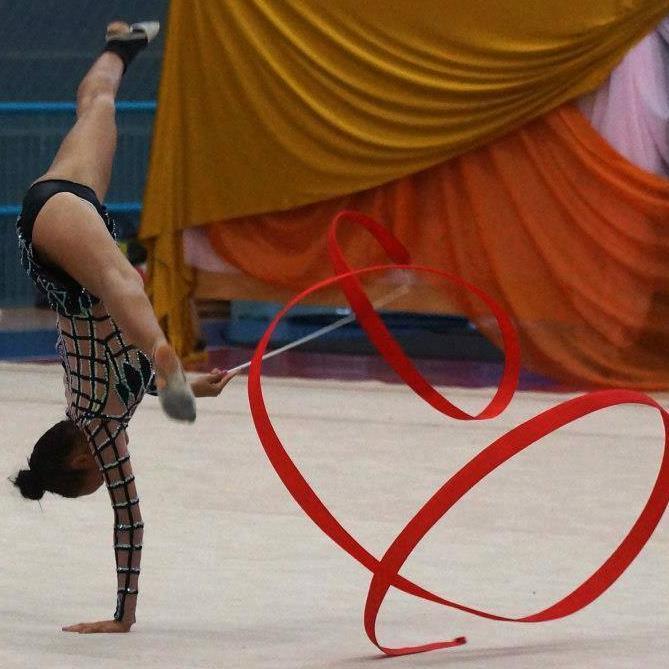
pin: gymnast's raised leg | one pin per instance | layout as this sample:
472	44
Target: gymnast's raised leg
70	234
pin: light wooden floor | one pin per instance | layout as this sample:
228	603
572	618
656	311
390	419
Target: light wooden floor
234	575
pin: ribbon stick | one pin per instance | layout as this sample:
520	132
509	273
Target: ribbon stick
340	323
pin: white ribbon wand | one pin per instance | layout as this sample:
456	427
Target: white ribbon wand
386	299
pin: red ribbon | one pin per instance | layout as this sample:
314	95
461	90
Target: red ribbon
386	570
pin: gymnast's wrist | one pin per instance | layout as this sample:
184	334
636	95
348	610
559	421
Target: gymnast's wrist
125	626
128	620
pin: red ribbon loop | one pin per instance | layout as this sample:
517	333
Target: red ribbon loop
385	571
387	345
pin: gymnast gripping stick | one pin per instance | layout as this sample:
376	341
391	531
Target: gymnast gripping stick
386	299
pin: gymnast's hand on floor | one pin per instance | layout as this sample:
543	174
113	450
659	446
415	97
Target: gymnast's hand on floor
210	385
101	627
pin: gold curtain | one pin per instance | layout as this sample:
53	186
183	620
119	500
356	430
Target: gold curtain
272	104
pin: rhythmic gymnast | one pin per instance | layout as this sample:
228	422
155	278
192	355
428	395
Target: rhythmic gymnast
66	239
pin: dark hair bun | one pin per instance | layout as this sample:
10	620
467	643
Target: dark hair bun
29	484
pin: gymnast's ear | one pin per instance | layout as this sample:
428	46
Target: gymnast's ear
81	461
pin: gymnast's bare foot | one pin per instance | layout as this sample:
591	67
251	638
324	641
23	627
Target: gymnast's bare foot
143	32
117	28
174	392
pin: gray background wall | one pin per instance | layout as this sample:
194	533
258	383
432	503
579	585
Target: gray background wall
46	46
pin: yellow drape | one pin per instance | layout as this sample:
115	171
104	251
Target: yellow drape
267	105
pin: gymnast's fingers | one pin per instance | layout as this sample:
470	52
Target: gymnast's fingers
79	628
219	385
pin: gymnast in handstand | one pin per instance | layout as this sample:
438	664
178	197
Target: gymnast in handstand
111	346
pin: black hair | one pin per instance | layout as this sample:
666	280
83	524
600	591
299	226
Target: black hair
48	464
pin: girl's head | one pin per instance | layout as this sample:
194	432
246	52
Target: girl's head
61	462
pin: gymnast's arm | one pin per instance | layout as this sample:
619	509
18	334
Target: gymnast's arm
109	443
205	385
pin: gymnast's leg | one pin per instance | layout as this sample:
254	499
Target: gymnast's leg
70	234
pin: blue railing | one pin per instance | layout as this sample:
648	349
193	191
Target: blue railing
114	207
50	107
30	133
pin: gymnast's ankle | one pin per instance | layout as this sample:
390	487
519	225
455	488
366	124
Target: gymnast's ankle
126	41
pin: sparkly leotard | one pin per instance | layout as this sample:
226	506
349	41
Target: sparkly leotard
105	380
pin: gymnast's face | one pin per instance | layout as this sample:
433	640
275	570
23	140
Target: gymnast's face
62	463
81	459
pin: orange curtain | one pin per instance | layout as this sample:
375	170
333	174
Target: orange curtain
570	237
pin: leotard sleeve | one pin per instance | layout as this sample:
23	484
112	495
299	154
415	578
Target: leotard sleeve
109	444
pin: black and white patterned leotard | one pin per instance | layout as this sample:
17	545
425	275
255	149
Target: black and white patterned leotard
105	380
